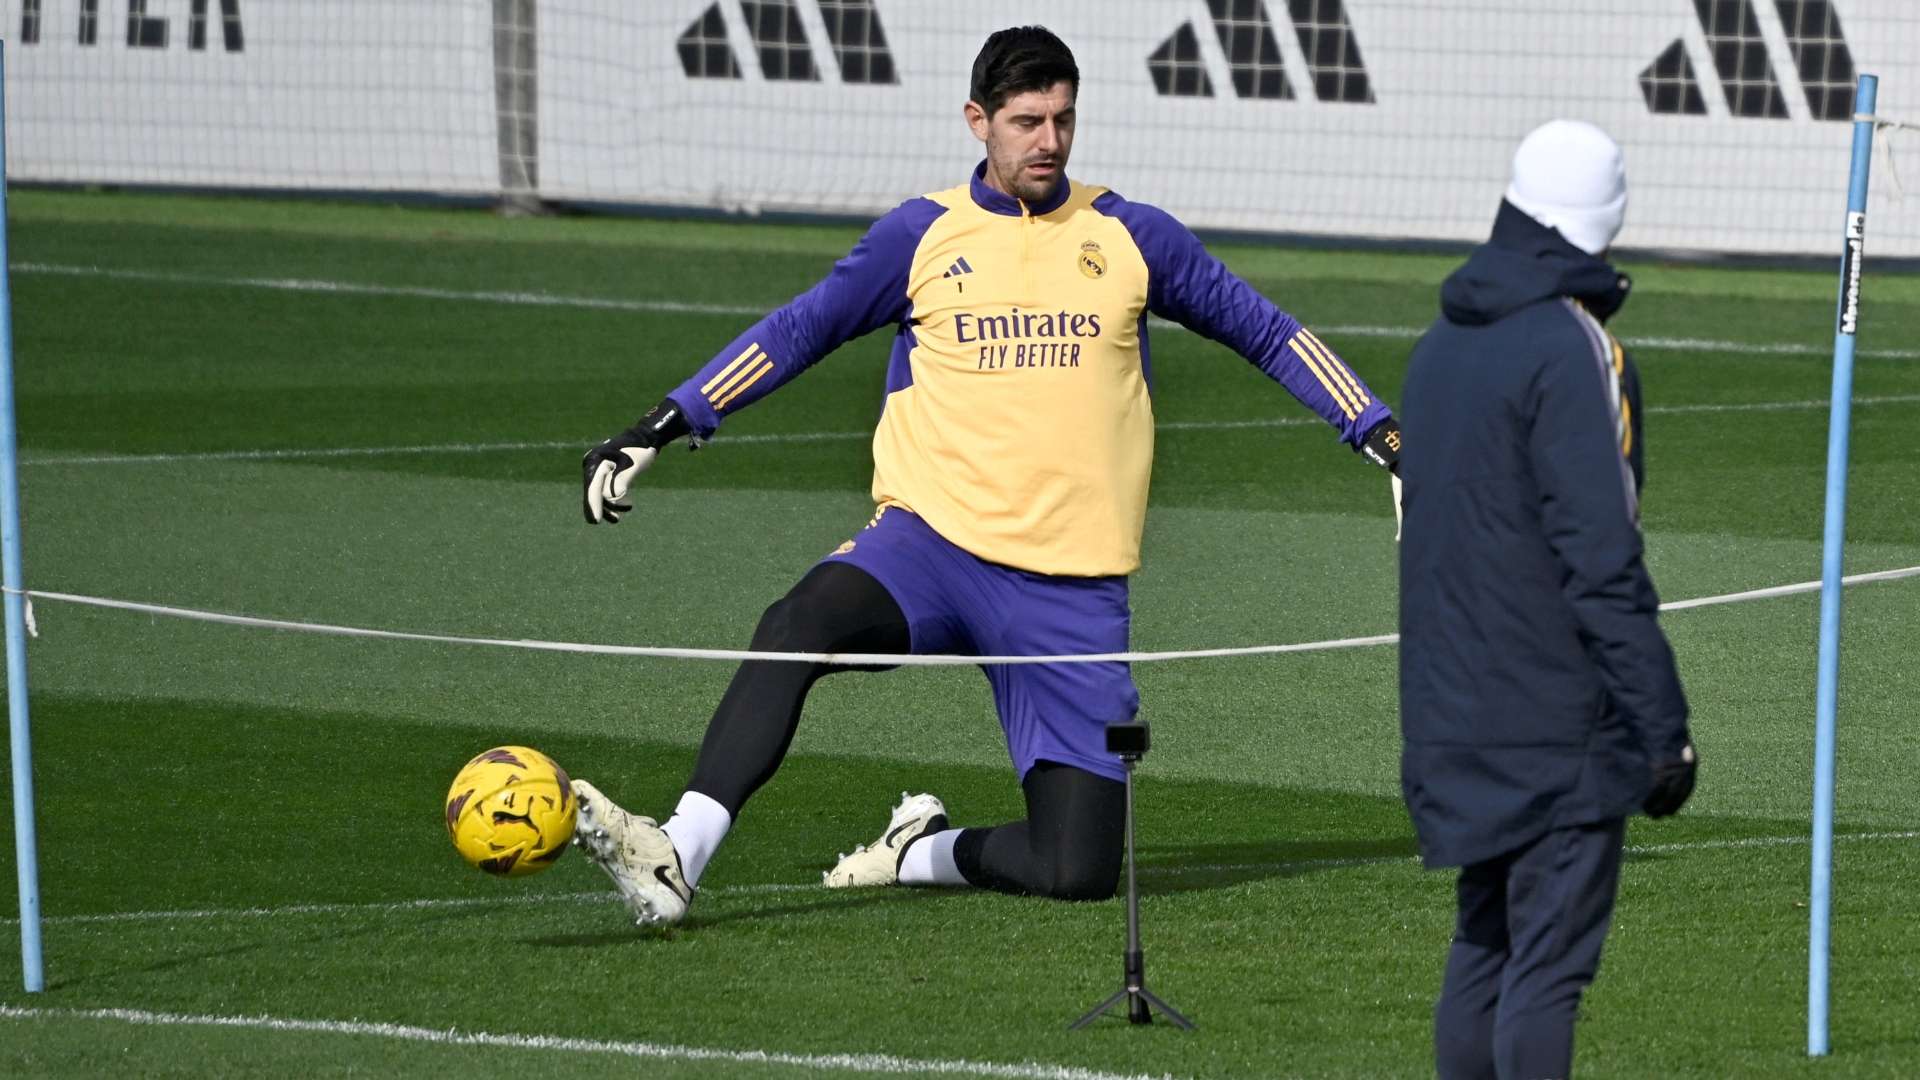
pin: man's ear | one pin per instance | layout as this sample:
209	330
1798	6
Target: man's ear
976	119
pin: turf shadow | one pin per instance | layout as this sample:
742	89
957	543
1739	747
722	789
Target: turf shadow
1218	866
174	964
698	920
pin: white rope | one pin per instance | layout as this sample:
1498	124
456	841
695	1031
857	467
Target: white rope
1881	126
1789	590
864	659
1880	122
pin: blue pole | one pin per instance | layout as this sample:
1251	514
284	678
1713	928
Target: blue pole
1839	424
25	847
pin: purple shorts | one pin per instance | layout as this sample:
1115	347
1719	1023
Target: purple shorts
957	603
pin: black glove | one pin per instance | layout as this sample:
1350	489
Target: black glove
608	470
1382	445
1672	783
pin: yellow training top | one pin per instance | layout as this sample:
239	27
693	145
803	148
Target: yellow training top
1019	419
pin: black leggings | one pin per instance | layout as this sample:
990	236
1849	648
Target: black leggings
834	608
1070	845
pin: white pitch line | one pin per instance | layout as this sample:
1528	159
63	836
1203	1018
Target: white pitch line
349	288
416	449
847	1062
322	453
342	908
886	659
1760	842
682	307
1767	348
1781	406
1413	860
381	906
1151	870
295	454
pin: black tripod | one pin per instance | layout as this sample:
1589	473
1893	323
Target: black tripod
1130	742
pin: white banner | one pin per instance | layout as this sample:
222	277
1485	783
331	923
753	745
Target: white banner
1387	119
639	108
396	95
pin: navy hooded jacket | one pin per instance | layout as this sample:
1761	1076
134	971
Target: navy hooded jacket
1535	685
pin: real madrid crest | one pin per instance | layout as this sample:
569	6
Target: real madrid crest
1091	262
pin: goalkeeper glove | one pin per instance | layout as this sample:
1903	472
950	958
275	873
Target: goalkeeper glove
1382	447
1672	783
608	470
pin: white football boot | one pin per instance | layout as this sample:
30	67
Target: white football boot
879	863
636	854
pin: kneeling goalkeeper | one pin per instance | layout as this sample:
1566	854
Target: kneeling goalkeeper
1011	464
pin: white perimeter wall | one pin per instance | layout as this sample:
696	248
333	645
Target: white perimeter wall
399	95
341	94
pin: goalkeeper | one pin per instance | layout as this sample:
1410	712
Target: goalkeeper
1011	464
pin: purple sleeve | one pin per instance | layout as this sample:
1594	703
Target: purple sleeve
1187	284
865	291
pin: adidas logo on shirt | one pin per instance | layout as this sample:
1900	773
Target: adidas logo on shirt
959	267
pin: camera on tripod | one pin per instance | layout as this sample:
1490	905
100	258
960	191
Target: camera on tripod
1128	740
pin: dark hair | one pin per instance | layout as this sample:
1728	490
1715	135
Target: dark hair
1019	59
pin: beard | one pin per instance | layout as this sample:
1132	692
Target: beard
1029	188
1035	189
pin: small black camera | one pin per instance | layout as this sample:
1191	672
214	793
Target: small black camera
1127	740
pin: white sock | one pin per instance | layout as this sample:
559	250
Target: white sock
696	828
929	861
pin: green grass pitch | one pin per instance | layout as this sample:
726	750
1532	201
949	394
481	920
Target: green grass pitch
373	417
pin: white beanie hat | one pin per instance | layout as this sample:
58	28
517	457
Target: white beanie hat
1569	175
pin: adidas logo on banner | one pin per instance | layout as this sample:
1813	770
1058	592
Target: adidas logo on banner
779	38
1736	45
959	267
1253	60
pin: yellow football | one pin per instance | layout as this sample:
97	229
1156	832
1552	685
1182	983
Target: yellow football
510	811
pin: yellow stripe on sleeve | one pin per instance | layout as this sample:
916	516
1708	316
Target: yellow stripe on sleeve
1332	391
1339	368
765	366
728	370
727	387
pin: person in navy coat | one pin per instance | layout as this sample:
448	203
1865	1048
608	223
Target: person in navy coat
1539	701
